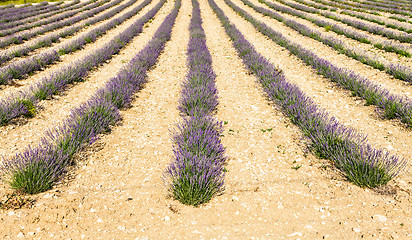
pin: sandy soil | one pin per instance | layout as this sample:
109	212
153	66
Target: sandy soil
116	191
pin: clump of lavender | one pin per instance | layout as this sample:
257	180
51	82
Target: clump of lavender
196	173
38	169
349	150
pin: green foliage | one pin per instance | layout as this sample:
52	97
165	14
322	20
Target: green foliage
33	178
30	106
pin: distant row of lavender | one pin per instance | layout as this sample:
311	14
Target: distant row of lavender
8	6
27	25
369	27
66	7
347	148
398	71
38	169
323	5
387	3
22	10
25	13
93	8
391	105
23	67
364	5
388	46
24	103
376	10
381	21
196	172
8	9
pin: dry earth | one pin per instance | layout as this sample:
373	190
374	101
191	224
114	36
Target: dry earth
116	190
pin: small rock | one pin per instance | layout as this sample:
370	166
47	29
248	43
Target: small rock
356	230
379	218
166	218
99	220
296	234
93	210
308	227
20	235
31	233
48	195
234	198
389	147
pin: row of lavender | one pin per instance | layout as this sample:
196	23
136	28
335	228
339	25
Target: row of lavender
324	7
394	8
391	105
12	7
388	46
368	9
368	27
13	17
196	172
348	149
20	25
94	8
381	21
21	68
38	169
24	103
67	7
396	70
371	18
20	13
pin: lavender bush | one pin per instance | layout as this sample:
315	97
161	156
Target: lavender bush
38	169
348	149
196	173
391	105
75	72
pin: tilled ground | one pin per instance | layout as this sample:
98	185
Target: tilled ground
116	191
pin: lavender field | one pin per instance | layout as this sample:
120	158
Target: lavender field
216	119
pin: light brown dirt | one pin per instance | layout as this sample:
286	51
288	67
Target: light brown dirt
117	192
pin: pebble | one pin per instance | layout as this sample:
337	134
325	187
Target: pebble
166	218
379	218
20	235
296	234
356	229
47	195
